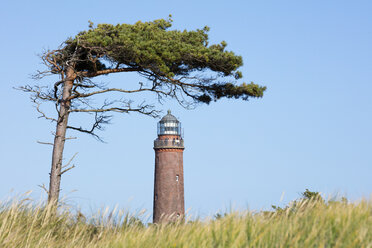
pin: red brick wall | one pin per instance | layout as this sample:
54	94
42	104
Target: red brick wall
168	136
168	192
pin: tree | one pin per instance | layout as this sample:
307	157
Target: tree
306	201
312	195
176	64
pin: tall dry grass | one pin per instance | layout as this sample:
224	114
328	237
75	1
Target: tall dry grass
308	224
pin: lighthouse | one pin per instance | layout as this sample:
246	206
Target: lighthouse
169	204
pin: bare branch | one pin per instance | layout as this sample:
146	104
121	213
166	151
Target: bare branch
44	188
103	72
79	95
49	58
99	120
41	74
38	91
114	109
43	115
64	171
82	130
44	143
69	162
125	107
66	165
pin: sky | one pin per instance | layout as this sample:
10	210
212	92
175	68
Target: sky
311	130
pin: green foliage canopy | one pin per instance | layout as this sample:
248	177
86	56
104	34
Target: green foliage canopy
182	59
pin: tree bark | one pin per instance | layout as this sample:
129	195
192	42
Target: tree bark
59	138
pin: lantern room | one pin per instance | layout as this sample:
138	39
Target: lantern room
169	125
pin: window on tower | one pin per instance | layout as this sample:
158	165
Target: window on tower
177	178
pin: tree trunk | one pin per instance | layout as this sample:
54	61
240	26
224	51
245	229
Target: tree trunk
59	138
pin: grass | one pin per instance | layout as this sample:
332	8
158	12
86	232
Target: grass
307	223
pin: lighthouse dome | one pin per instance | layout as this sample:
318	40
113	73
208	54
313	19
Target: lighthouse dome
169	118
169	125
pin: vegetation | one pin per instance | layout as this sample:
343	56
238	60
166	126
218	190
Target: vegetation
314	224
174	64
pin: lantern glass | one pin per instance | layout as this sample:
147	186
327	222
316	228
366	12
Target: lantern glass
169	128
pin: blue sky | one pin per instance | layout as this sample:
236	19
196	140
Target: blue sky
311	130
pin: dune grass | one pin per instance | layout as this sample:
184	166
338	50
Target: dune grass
309	223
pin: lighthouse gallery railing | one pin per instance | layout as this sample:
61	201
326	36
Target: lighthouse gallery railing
168	143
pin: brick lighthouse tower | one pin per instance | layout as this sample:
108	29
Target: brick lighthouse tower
169	202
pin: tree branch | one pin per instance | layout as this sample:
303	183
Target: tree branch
44	188
44	143
64	171
79	95
108	71
38	92
69	162
98	122
82	130
114	109
43	115
66	165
